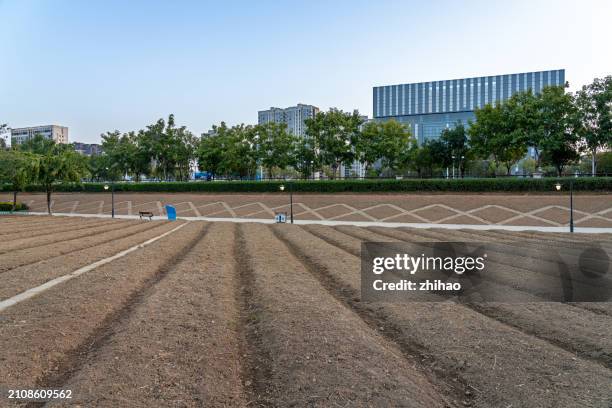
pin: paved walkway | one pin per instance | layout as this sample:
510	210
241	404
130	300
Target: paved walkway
583	230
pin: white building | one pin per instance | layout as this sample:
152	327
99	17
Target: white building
5	134
293	117
57	133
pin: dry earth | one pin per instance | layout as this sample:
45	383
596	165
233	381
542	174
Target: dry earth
235	315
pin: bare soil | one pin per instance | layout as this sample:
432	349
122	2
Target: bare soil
243	315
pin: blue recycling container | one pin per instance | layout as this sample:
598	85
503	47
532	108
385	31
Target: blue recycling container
171	211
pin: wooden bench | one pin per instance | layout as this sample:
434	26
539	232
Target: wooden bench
146	214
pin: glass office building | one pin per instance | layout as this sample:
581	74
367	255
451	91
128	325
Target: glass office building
429	107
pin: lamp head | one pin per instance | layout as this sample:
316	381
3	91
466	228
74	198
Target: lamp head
558	186
282	187
106	186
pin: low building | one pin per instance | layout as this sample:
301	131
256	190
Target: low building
59	134
87	149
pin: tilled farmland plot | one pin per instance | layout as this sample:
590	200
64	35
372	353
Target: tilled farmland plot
223	314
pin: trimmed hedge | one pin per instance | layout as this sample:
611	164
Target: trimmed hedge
602	184
9	207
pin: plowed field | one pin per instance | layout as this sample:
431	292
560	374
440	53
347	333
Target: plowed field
197	314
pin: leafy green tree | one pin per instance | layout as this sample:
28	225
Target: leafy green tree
274	146
37	145
382	141
594	105
417	158
334	133
304	156
240	157
558	123
59	164
211	150
523	118
140	162
441	156
17	169
455	140
494	135
97	165
117	155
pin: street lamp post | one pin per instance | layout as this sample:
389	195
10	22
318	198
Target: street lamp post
571	185
112	187
282	188
453	166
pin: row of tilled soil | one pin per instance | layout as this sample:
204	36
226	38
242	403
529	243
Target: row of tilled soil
32	275
47	338
500	363
522	248
45	228
51	234
309	349
180	344
565	325
108	233
27	224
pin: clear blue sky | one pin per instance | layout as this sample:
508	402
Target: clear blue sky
98	66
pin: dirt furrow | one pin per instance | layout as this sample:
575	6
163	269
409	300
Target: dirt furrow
29	276
336	238
42	225
322	353
502	365
45	339
46	228
574	329
516	267
561	237
34	240
30	256
256	358
173	348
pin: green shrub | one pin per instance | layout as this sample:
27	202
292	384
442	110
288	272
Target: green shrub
9	207
500	184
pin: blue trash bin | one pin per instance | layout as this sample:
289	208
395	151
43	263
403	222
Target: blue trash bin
171	211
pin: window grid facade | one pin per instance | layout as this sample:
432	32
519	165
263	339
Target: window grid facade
439	104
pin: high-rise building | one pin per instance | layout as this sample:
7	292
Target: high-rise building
57	133
293	117
430	107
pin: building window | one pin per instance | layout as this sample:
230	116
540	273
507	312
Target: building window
397	99
409	98
384	109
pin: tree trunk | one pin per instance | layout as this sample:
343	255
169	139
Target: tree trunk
14	200
593	164
49	201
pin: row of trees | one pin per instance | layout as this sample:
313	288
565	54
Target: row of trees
162	150
557	126
332	138
40	161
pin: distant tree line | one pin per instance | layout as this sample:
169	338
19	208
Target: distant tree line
557	126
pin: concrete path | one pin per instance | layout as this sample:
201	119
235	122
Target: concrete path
583	230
